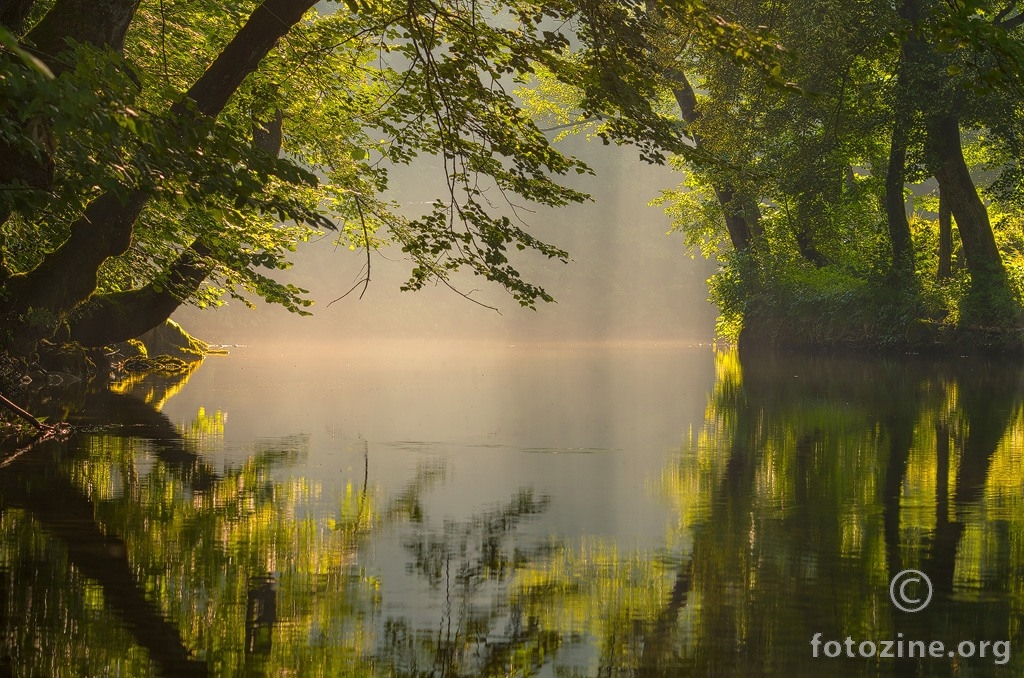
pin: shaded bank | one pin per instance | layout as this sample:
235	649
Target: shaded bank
865	319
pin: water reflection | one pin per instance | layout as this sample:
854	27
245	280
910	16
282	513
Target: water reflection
820	479
808	484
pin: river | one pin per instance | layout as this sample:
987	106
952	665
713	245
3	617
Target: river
489	509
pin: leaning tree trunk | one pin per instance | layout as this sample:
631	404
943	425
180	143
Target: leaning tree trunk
992	298
68	275
740	214
958	190
109	318
119	316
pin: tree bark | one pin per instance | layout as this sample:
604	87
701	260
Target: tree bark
740	211
992	298
902	266
945	239
103	24
988	276
957	187
741	225
119	316
896	207
67	276
804	234
13	14
269	136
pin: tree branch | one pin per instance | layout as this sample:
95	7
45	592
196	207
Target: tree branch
40	426
67	276
1012	23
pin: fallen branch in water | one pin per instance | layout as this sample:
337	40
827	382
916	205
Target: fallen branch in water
40	426
55	432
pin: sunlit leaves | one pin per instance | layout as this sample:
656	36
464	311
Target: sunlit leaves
348	93
10	43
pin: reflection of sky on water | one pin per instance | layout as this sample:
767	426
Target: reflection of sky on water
661	523
589	427
592	425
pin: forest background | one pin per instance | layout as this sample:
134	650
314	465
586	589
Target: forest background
161	153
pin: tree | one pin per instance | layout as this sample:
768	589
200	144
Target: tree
943	96
166	183
883	97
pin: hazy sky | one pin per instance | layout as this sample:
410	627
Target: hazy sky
627	278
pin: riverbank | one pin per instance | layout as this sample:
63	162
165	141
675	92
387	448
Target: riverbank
167	350
868	319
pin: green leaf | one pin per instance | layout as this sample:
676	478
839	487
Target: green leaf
11	43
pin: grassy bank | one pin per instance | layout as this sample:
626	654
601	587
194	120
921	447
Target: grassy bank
825	309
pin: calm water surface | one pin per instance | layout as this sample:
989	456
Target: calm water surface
400	509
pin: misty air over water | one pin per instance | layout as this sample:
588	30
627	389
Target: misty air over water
445	483
628	280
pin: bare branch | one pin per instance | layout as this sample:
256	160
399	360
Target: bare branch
40	426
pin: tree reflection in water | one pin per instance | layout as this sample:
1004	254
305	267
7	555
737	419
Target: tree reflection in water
123	551
812	482
478	633
830	476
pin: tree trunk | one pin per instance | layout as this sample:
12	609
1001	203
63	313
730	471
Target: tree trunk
805	245
268	23
736	224
67	276
111	318
269	136
119	316
13	14
989	283
804	234
740	211
991	299
959	192
945	239
740	220
902	267
103	24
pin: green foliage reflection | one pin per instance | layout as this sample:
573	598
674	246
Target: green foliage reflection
818	479
811	483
